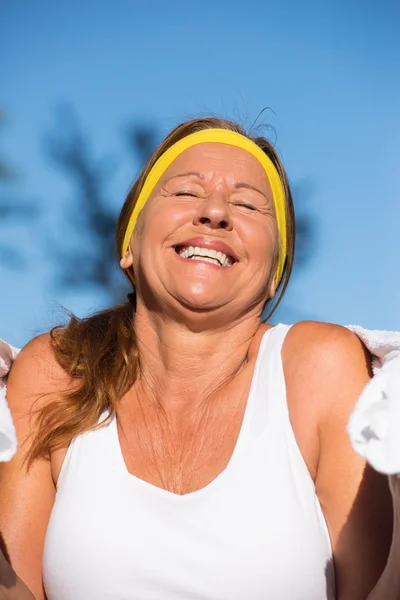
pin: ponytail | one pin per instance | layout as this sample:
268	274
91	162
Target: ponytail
99	354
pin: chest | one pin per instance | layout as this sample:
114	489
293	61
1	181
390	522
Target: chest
236	538
181	454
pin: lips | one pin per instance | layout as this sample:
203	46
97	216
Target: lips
207	243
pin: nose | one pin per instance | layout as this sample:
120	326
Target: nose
214	213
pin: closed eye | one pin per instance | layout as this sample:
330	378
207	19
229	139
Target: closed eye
185	194
249	206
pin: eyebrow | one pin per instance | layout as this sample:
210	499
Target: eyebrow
247	186
192	173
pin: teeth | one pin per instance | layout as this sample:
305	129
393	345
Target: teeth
208	259
206	254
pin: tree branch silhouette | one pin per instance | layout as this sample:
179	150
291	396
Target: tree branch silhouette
12	210
88	257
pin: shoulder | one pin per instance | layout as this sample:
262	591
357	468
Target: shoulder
324	339
37	354
326	367
37	348
324	352
35	374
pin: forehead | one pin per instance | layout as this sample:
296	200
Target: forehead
219	160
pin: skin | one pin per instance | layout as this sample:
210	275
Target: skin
388	585
11	587
198	332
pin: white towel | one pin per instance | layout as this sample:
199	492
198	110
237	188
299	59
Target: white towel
374	425
8	438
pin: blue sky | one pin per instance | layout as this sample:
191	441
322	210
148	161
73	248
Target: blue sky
329	70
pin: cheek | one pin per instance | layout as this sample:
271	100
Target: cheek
261	242
155	226
163	219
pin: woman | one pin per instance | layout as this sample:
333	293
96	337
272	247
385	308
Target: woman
177	448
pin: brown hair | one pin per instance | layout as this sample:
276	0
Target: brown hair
99	353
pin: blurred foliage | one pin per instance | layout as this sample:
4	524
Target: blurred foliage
86	250
143	139
302	191
13	210
5	170
88	254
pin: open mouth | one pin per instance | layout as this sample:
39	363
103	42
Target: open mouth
205	255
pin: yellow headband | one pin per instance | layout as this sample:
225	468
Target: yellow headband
219	136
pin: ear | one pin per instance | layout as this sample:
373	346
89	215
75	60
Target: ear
272	289
127	260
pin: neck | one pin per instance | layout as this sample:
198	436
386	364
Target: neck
180	368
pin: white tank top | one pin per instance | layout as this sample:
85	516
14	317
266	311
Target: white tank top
256	532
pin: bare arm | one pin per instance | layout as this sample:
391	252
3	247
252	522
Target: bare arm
388	586
11	587
332	369
26	498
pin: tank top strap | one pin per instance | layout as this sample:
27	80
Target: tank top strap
269	393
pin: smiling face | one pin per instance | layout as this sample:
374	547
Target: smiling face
207	237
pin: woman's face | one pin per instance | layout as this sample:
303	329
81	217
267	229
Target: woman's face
207	237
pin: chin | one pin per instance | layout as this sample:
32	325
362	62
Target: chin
200	299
